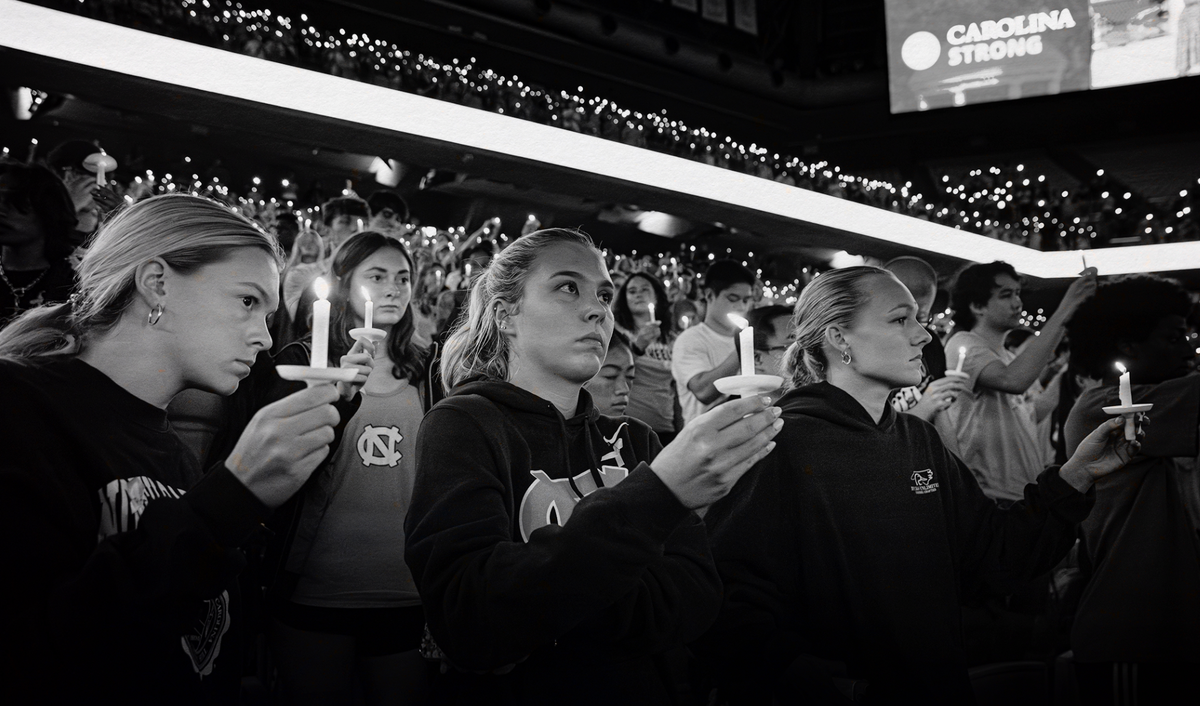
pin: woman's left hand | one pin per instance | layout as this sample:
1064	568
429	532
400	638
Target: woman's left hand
362	358
106	199
1104	451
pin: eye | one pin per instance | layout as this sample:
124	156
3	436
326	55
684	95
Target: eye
249	302
606	297
569	287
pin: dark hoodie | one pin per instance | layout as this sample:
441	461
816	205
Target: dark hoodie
854	543
549	544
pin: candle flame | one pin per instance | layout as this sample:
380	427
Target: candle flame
1121	367
738	321
366	294
321	287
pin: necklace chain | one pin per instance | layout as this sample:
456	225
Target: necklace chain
19	292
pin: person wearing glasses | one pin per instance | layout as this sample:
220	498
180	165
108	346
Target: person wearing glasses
772	336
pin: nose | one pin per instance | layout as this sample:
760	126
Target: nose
924	337
595	309
260	337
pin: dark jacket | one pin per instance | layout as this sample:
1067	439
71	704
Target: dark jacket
121	560
549	544
854	543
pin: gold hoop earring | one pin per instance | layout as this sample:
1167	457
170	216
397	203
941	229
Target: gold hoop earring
846	356
155	314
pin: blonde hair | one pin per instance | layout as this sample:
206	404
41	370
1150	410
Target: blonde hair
186	231
832	299
477	348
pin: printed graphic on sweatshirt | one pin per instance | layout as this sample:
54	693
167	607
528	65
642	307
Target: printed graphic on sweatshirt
380	446
122	503
923	482
550	501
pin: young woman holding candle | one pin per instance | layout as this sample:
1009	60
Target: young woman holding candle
1136	630
845	553
122	556
344	605
652	397
544	537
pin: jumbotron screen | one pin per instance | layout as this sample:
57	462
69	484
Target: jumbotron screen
946	53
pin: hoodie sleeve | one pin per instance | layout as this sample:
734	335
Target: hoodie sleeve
757	647
627	569
1002	548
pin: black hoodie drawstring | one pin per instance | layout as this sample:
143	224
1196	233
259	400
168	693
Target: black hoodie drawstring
591	451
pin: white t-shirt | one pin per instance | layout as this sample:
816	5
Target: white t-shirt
699	349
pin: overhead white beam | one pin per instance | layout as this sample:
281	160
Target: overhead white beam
88	42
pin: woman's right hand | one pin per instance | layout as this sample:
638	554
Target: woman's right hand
283	444
712	452
1080	291
647	334
362	358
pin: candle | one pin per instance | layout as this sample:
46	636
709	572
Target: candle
369	306
746	342
1126	395
360	225
962	357
320	327
651	307
468	271
685	321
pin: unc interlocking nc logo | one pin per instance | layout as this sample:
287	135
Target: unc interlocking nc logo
550	501
380	446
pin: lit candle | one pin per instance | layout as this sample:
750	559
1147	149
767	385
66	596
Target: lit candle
320	327
962	357
651	307
1126	394
100	163
685	321
467	268
369	306
360	225
746	341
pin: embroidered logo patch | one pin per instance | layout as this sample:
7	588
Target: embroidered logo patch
923	482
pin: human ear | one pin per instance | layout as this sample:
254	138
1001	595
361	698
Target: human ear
836	339
150	281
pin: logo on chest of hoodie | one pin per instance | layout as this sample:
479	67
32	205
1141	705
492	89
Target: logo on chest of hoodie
550	501
923	482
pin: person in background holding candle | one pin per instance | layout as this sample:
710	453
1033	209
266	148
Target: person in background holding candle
772	336
340	219
706	353
550	542
345	607
846	553
92	202
652	397
122	555
996	430
1136	631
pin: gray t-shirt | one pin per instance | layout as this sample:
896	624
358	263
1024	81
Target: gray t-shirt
357	555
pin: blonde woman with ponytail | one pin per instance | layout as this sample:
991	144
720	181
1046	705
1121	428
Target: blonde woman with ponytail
121	554
556	550
845	554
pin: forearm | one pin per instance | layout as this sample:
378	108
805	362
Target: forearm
702	385
1023	371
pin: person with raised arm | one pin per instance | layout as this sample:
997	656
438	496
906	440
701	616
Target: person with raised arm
846	553
122	557
557	551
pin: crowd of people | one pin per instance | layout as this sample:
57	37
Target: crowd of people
532	475
1005	203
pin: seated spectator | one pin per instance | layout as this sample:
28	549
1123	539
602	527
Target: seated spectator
706	353
389	212
1136	634
342	217
610	388
996	430
37	220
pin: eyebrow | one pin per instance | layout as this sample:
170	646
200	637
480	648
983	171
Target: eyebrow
580	275
399	270
908	307
258	288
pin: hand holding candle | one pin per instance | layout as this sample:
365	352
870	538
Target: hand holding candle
100	163
320	327
368	307
1127	408
746	342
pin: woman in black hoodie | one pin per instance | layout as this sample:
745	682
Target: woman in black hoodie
846	552
556	550
121	556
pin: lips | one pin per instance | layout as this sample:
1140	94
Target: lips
593	337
